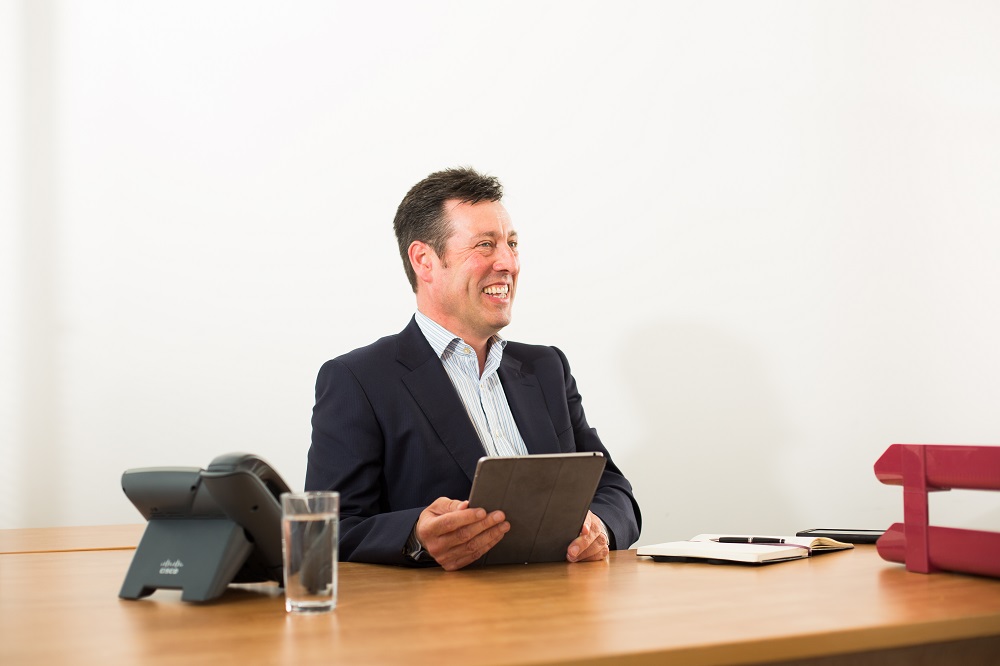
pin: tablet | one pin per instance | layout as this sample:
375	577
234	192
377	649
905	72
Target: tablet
544	497
845	535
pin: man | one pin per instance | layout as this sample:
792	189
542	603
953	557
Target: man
399	425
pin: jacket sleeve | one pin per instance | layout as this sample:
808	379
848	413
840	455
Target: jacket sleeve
347	455
613	501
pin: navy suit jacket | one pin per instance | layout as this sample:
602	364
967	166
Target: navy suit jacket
391	434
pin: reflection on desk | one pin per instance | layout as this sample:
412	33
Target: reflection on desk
62	607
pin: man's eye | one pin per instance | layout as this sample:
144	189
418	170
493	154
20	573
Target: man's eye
486	244
513	245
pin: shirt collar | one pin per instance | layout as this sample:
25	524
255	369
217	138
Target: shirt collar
442	340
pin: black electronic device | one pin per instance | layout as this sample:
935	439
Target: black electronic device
545	498
205	528
845	535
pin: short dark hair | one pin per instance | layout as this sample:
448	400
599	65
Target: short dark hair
420	216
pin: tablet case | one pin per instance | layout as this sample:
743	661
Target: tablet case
544	497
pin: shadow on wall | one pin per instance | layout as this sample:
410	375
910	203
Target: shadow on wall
709	433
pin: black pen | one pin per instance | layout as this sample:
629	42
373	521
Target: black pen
749	540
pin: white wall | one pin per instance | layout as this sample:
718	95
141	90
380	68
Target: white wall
10	444
766	234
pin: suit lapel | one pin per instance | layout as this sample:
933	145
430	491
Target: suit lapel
430	386
527	404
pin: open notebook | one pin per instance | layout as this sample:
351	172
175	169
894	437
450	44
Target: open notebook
707	548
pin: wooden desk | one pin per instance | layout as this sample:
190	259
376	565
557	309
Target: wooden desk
62	607
50	540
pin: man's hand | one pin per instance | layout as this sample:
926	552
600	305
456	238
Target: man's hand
455	535
592	544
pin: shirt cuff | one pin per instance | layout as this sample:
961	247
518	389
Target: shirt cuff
414	550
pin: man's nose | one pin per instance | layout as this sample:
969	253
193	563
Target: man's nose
506	259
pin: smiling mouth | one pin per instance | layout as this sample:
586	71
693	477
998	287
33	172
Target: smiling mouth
498	290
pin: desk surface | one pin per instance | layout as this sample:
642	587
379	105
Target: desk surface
61	606
48	539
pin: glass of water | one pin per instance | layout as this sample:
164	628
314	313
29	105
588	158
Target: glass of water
309	524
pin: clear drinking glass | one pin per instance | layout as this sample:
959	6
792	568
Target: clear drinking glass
309	525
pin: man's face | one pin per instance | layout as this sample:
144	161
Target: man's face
475	280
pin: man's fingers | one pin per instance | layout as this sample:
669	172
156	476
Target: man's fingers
597	550
445	515
581	551
464	524
456	535
462	527
465	553
444	505
592	544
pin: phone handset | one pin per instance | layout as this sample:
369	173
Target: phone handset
247	489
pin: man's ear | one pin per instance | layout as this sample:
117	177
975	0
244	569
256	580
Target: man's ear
422	258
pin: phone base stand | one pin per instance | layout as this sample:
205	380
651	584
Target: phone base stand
198	556
924	468
205	528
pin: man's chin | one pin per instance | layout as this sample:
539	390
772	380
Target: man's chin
498	322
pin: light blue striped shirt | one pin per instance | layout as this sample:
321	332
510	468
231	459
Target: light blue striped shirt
483	397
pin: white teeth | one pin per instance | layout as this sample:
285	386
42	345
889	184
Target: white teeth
500	290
